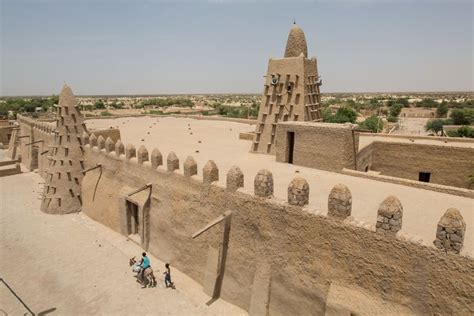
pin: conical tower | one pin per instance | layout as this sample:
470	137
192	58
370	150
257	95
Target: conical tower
62	187
296	43
291	92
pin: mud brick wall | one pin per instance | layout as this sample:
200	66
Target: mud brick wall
272	237
323	146
448	165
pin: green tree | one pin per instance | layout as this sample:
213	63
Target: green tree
395	110
346	114
374	104
427	103
442	110
466	131
99	105
343	115
435	126
3	110
463	131
372	123
403	102
459	117
116	105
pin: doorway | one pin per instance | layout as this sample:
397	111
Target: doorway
133	222
290	141
34	157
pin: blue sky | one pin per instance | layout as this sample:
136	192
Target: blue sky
154	47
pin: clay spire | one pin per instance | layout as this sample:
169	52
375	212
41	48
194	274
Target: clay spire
62	187
296	43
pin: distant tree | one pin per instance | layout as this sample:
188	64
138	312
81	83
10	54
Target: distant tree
326	114
435	126
466	131
395	110
343	115
166	102
116	105
442	110
462	116
403	102
254	110
392	119
346	114
27	105
374	104
332	101
427	103
458	117
3	110
99	105
463	131
372	123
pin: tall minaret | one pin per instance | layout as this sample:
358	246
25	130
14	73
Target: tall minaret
291	92
62	187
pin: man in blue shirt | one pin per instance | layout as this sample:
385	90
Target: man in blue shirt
145	264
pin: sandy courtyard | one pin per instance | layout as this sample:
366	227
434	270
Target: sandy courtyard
219	141
412	126
71	265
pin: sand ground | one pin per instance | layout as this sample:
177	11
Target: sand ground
219	141
71	265
412	126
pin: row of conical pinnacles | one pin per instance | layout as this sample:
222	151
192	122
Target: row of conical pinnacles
62	190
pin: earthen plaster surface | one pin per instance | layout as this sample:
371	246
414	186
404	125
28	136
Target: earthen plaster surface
220	142
304	252
367	138
80	267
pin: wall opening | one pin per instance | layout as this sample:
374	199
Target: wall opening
133	222
290	142
34	157
424	176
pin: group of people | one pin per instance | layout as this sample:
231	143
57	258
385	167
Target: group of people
141	267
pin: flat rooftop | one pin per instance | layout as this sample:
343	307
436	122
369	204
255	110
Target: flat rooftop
318	124
219	141
367	138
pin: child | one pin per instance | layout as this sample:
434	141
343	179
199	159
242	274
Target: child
167	274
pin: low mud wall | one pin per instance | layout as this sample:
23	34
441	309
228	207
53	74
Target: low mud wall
196	117
279	255
440	139
32	141
5	133
447	165
411	183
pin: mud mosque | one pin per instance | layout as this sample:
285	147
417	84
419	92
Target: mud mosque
285	215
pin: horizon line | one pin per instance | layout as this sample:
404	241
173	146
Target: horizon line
240	93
